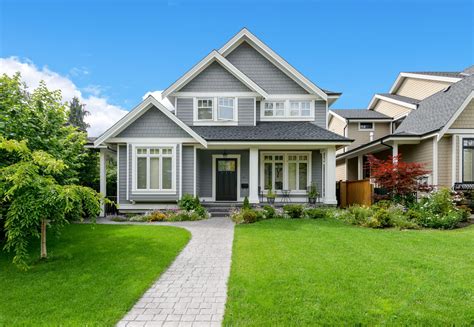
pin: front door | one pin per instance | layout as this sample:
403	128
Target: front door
226	180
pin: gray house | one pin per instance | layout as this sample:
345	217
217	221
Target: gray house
244	121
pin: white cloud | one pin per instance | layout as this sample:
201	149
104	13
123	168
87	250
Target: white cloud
157	95
103	114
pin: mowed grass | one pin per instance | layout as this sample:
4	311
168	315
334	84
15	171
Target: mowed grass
323	272
93	277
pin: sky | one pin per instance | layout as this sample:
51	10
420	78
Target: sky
111	53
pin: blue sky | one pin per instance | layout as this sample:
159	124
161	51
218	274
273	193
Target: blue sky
123	49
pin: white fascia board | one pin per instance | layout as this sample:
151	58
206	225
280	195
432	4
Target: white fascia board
370	120
337	116
387	99
401	77
268	53
456	115
283	143
137	112
203	64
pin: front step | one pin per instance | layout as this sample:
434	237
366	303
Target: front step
220	209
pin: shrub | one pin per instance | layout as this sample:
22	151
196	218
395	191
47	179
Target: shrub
294	210
356	215
269	212
138	218
315	213
438	210
246	204
236	216
249	216
189	202
156	216
382	217
184	215
119	219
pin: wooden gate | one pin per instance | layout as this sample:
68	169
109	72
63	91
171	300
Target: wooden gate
355	192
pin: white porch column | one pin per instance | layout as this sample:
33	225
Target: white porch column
360	167
395	150
253	175
330	180
103	178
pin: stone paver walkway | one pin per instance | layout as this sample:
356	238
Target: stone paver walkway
193	291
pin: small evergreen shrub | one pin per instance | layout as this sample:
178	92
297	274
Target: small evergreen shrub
246	204
189	202
294	210
249	216
269	212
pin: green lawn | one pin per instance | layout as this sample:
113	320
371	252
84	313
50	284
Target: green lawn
93	277
313	272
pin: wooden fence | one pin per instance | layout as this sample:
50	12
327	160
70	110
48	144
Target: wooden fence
355	192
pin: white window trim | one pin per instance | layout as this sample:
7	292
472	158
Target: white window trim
461	157
135	190
367	129
215	121
286	116
228	156
285	155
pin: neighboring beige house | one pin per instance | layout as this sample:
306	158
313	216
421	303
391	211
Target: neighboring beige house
426	117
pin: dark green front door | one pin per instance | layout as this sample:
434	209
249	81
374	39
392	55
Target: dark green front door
226	180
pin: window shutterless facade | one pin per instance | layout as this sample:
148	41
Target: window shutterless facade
363	126
286	171
154	168
468	160
287	110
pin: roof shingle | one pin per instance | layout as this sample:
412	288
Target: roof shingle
360	114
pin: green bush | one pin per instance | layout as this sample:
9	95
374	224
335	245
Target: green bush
382	217
249	216
269	212
246	204
119	219
156	216
189	202
315	213
184	215
294	210
138	218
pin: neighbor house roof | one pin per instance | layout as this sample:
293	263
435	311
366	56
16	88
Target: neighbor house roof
269	131
359	114
435	111
400	98
445	74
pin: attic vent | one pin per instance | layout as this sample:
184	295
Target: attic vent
447	89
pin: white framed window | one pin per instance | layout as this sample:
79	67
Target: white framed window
286	171
215	110
274	109
154	168
205	108
366	126
226	109
468	160
287	110
300	108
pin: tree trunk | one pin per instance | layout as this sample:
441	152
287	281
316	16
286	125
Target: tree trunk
44	254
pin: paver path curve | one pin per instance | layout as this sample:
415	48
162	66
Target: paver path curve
193	290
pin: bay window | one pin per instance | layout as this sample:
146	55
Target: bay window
286	171
154	168
468	160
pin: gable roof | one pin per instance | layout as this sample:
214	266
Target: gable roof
247	36
360	114
450	77
435	111
393	98
139	110
203	64
270	131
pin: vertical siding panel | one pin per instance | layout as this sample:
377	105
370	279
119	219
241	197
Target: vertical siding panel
320	113
246	111
188	169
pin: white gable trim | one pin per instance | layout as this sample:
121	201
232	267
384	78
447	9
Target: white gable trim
246	35
456	115
137	112
401	77
203	64
337	116
378	97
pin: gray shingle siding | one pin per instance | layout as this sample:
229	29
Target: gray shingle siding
184	110
204	170
246	111
263	72
188	170
153	123
320	113
215	78
257	109
316	169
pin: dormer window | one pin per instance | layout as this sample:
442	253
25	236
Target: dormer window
281	110
215	111
205	109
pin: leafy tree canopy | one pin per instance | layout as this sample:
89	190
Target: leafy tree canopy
77	113
41	118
